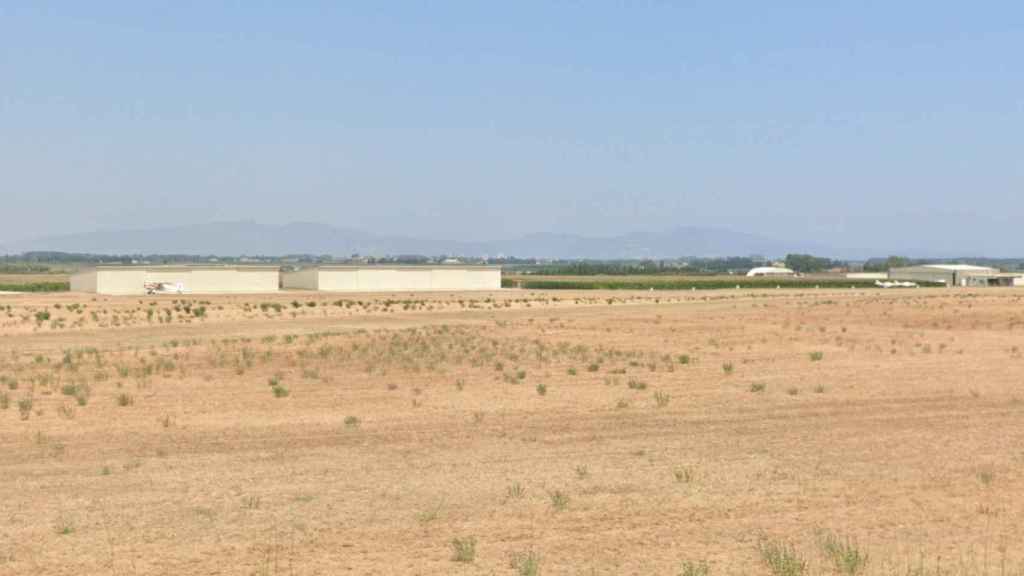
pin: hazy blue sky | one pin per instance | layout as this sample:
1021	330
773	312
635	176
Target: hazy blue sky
484	120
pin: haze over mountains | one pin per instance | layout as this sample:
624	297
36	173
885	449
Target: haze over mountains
250	238
886	235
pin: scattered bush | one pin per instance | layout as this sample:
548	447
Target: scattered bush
25	407
694	568
662	398
525	563
515	492
634	384
781	559
559	500
463	549
844	554
684	475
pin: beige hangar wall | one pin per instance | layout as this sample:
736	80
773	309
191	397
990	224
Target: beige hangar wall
394	279
210	280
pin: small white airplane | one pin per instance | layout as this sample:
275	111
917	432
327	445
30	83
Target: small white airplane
164	288
895	284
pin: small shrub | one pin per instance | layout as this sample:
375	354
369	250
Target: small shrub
25	407
662	398
634	384
525	563
571	371
728	368
125	399
463	549
844	554
66	411
792	390
757	387
694	568
781	559
430	515
351	422
5	401
515	492
559	500
280	391
819	389
817	356
683	475
582	472
542	389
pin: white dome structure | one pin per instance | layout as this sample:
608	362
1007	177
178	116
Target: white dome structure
770	271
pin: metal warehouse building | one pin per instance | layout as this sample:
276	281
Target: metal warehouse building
122	280
394	278
952	275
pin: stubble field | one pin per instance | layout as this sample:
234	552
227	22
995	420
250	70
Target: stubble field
722	432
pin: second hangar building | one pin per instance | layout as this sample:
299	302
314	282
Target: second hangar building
954	275
393	278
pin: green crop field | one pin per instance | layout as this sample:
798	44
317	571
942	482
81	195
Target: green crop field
648	282
34	282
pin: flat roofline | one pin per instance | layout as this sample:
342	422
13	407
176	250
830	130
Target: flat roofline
403	267
169	267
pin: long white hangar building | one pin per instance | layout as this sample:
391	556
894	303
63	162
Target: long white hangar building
134	280
393	278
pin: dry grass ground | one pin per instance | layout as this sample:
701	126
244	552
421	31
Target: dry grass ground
733	432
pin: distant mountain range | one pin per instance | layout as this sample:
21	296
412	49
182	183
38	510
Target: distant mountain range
252	239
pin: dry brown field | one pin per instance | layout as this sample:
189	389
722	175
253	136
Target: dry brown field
780	432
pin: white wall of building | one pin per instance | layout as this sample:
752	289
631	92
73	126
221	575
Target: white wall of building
394	279
192	280
305	279
119	282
